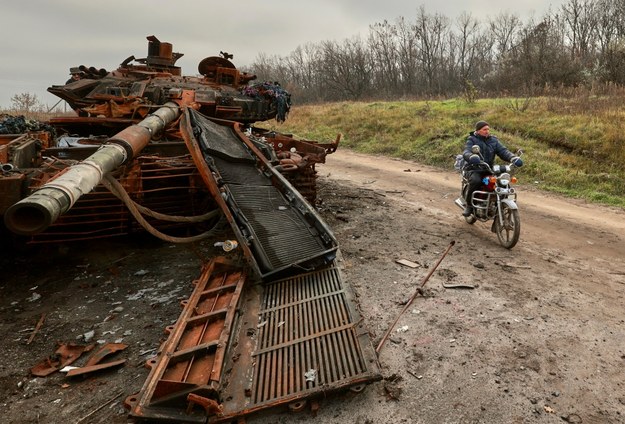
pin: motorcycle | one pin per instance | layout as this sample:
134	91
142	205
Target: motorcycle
496	200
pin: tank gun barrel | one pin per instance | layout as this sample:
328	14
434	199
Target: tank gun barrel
38	211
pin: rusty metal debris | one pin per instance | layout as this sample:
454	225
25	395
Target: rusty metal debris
278	229
298	339
127	127
130	91
94	364
35	213
65	355
191	361
311	322
106	350
37	328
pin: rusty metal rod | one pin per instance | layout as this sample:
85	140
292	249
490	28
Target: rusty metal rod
412	298
37	328
100	407
38	211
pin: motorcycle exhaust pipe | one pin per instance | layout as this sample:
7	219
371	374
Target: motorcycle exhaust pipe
37	212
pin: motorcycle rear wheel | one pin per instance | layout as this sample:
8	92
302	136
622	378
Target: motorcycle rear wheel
508	233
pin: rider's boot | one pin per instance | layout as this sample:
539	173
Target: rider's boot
468	206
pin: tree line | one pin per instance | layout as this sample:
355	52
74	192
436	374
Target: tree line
582	43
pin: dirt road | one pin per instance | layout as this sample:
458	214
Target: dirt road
538	339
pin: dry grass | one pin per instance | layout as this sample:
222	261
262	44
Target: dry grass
574	144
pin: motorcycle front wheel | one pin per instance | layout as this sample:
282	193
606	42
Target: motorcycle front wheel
508	233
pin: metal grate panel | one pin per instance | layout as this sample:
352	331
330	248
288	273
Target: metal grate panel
282	231
295	325
306	330
240	173
278	230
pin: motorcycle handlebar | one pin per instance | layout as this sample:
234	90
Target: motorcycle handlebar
498	169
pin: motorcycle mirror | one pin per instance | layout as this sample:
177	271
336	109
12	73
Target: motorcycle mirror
475	150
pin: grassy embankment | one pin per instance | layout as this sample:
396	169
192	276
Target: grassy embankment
572	147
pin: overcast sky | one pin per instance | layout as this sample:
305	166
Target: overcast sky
42	39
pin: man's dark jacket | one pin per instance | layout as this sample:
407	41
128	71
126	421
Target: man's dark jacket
489	147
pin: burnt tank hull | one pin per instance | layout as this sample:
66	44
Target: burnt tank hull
113	106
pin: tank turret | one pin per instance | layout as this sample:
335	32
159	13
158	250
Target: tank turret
138	86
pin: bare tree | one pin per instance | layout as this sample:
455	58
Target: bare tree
540	59
610	26
581	19
383	46
431	31
304	76
407	51
25	103
347	68
264	66
468	45
583	42
504	29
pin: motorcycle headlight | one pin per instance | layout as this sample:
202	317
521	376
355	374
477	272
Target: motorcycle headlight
504	179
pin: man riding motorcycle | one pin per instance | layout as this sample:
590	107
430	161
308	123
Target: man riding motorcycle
490	147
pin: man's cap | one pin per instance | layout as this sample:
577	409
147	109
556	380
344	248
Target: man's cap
75	70
480	125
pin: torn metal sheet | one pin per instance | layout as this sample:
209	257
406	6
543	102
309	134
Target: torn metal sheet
93	363
106	350
65	354
94	368
188	367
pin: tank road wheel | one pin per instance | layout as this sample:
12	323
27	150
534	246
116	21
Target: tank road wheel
508	233
298	405
359	388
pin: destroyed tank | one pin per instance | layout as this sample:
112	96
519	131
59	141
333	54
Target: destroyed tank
269	324
131	129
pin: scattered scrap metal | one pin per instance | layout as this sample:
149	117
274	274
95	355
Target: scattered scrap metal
67	353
